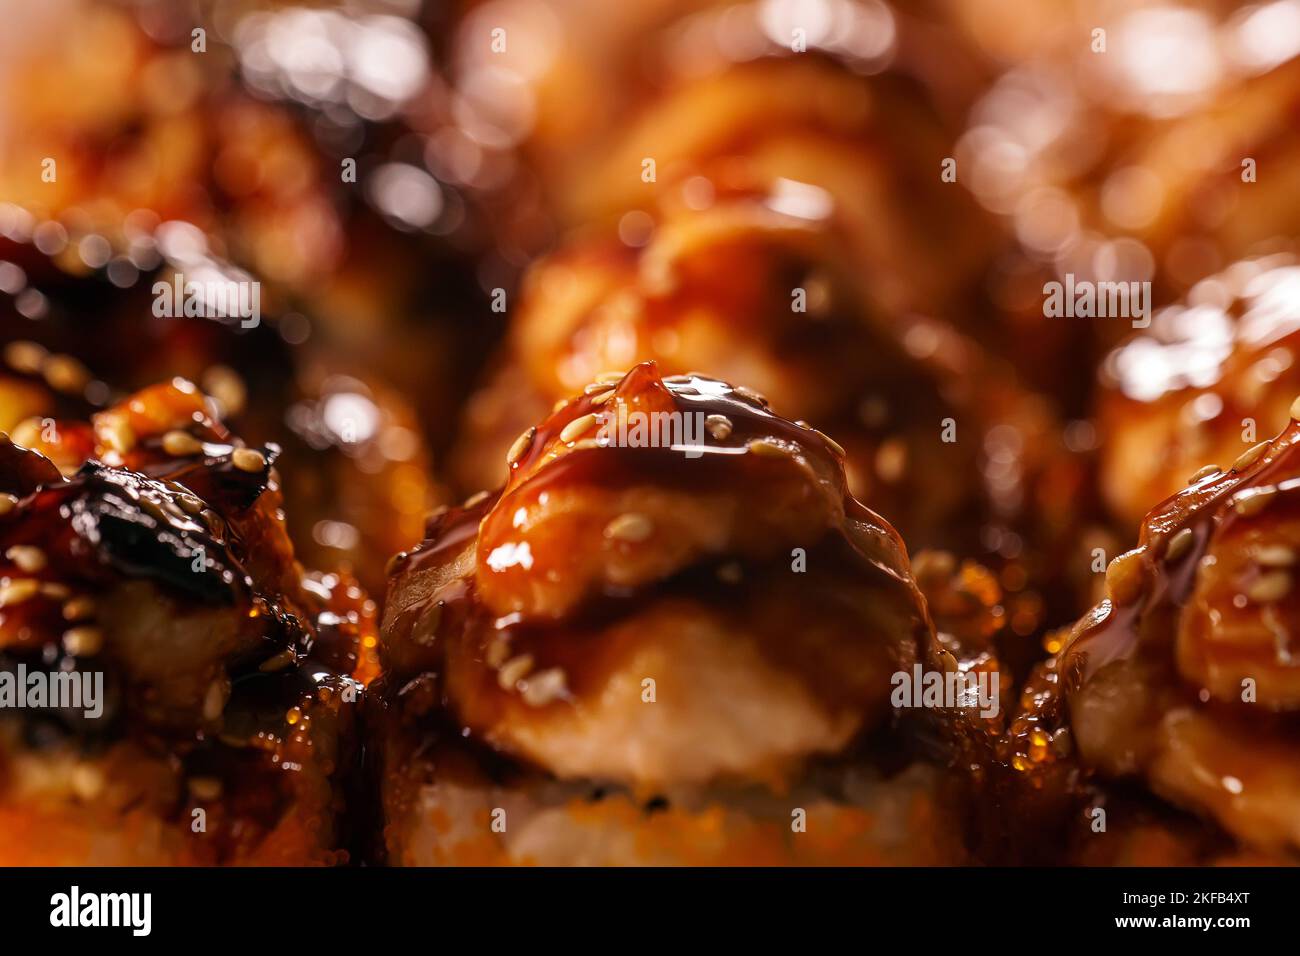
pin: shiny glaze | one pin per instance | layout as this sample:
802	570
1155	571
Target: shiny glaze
450	601
1153	680
305	643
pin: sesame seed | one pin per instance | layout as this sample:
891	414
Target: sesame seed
1250	456
278	662
891	460
225	385
7	503
28	557
1271	586
79	608
191	504
835	446
248	459
474	500
585	444
602	398
55	591
543	687
1124	577
575	428
766	448
181	444
933	565
1295	409
214	701
514	670
204	788
1276	556
521	445
426	626
83	641
25	356
609	378
1255	502
1179	545
498	650
65	373
27	433
17	591
558	405
116	433
947	661
750	395
1204	473
719	426
87	781
631	527
598	388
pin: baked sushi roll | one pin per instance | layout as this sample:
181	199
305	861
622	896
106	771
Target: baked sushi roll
1214	374
357	465
178	689
1165	730
667	651
937	433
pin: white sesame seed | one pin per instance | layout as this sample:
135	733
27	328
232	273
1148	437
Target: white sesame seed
1271	586
80	608
17	591
88	781
83	641
115	432
248	459
214	701
1179	545
765	448
719	426
204	788
543	687
1276	555
1204	473
1254	503
29	558
476	499
7	503
577	427
65	373
514	670
1125	576
181	444
835	446
521	445
278	662
1249	456
631	526
25	356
